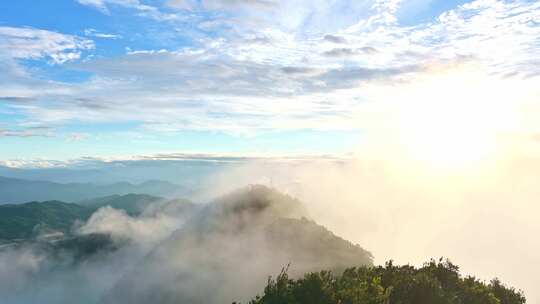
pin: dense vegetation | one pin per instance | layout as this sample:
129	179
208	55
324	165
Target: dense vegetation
434	283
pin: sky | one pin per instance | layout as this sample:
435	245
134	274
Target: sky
116	78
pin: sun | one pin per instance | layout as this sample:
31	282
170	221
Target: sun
450	135
452	119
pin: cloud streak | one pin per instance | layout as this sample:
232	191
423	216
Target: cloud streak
142	10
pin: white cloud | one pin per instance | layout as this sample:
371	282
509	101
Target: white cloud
94	33
30	43
202	157
29	132
99	4
121	226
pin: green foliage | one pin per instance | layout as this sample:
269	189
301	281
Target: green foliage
437	282
27	220
507	295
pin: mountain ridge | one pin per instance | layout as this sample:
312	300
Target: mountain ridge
234	243
15	190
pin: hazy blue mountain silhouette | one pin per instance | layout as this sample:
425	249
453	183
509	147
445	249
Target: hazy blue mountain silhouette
14	190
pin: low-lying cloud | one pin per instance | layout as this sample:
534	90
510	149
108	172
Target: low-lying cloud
174	254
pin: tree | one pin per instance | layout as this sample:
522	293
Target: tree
436	282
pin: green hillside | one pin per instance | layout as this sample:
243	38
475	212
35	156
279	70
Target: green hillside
24	221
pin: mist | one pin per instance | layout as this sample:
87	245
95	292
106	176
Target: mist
43	272
481	217
223	251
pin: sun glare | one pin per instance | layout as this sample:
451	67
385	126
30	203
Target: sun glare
452	119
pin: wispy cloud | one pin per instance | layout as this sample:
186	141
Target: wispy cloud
30	43
202	157
27	132
90	32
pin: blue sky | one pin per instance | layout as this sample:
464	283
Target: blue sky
106	78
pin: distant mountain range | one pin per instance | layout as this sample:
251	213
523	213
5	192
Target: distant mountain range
132	204
13	190
188	172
